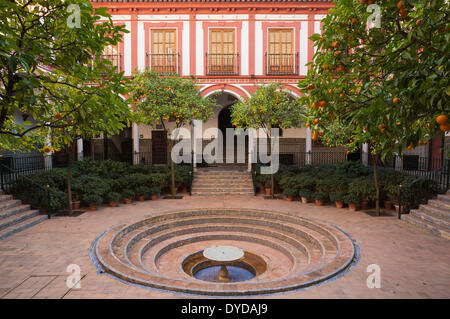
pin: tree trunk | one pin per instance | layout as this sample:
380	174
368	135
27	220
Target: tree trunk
172	168
69	186
377	186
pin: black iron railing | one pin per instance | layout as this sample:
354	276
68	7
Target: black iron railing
222	64
163	63
411	195
281	64
114	59
41	197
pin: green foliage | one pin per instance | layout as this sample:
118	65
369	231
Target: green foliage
155	190
128	193
351	198
384	86
290	192
113	197
319	196
63	103
337	196
306	193
306	181
142	191
92	199
364	188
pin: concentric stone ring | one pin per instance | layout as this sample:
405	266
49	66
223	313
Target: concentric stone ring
283	251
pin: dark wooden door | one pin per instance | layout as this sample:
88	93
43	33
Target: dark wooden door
159	147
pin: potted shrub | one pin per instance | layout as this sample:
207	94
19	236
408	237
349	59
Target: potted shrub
320	198
352	200
113	198
93	200
268	187
75	201
290	193
338	198
392	193
305	195
154	192
260	180
127	196
364	188
142	192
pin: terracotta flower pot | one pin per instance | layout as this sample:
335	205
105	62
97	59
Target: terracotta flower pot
268	191
339	204
319	202
388	204
76	205
364	204
92	207
352	207
127	200
304	200
261	188
289	198
141	198
185	189
397	208
112	203
154	196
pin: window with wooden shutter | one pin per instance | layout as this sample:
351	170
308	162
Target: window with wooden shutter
112	53
163	57
222	55
280	55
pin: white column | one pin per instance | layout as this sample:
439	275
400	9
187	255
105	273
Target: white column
135	134
308	146
80	149
251	148
194	142
365	154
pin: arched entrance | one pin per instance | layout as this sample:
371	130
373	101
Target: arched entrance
223	123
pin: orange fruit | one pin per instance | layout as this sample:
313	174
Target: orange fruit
58	115
322	103
399	123
444	127
396	100
341	95
310	86
314	136
329	91
47	149
410	147
314	105
354	20
340	68
442	119
307	124
316	121
335	44
418	23
399	5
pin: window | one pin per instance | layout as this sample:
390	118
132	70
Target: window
111	53
222	58
163	57
280	58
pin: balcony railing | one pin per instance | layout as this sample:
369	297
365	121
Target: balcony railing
222	64
281	64
115	59
164	63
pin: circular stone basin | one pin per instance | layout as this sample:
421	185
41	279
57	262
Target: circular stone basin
172	251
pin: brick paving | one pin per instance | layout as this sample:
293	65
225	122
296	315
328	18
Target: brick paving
414	263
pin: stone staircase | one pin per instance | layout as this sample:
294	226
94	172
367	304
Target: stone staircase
434	217
214	181
15	217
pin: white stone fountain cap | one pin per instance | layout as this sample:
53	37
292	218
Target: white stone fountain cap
223	253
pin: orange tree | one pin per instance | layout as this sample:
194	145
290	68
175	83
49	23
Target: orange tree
164	99
84	116
269	107
388	85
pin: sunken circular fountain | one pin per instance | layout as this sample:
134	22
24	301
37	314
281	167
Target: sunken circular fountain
271	252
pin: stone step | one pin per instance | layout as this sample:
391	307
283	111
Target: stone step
21	226
434	211
9	203
5	197
430	218
13	210
222	194
433	228
222	187
444	197
441	204
17	218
